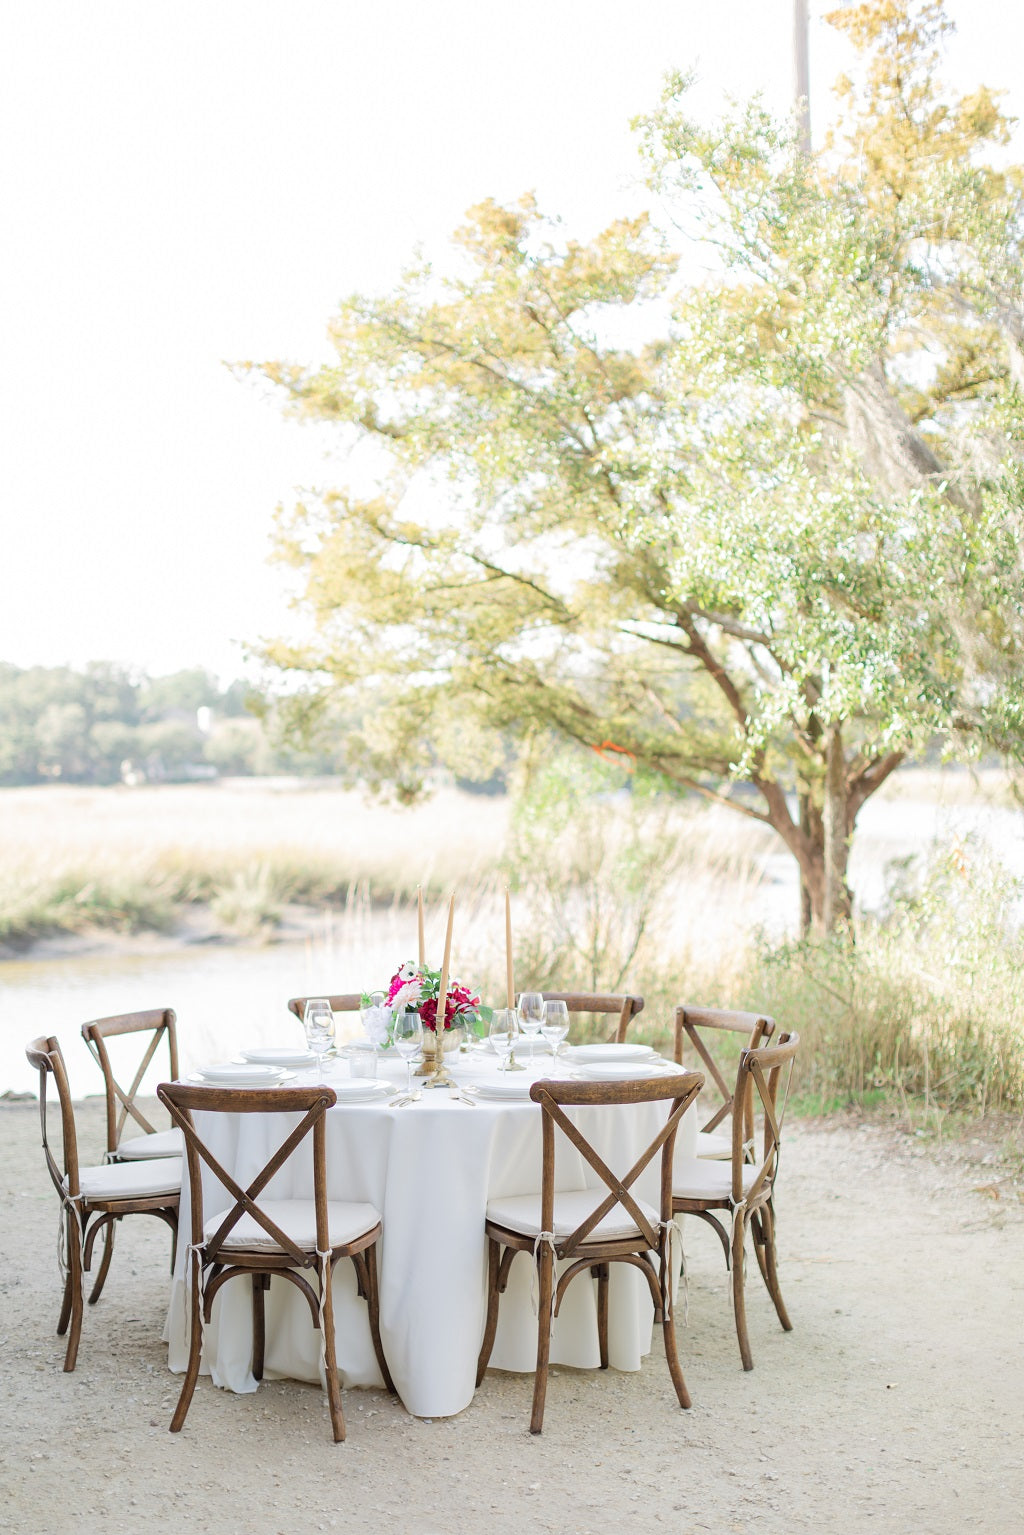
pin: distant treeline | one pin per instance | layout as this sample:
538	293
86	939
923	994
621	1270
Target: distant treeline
105	724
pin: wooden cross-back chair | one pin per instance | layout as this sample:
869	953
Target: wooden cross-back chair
94	1199
743	1188
620	1003
590	1228
695	1024
262	1238
344	1002
122	1103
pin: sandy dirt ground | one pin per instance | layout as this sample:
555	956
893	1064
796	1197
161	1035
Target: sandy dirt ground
896	1404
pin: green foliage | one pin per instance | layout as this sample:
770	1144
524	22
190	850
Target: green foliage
926	1004
777	541
101	724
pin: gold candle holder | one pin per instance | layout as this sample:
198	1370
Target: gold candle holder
440	1076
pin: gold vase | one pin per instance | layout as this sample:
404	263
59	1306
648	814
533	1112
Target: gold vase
449	1042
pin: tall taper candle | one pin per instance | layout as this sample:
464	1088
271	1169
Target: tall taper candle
510	980
442	996
419	921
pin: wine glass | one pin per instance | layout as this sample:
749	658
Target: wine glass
318	1023
531	1016
504	1028
555	1025
408	1039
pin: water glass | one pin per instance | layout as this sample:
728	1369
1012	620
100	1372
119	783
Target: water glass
318	1023
531	1016
555	1025
408	1038
503	1032
362	1059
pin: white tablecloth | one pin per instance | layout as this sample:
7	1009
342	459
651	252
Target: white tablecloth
430	1169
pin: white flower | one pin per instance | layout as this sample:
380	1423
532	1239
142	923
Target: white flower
408	996
408	971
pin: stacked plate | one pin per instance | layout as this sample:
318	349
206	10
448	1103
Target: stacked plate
618	1063
363	1090
300	1059
515	1090
242	1074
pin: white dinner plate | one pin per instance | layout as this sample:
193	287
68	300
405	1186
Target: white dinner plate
503	1091
627	1071
274	1057
609	1052
242	1076
363	1090
540	1046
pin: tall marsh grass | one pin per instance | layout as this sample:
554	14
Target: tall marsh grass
609	892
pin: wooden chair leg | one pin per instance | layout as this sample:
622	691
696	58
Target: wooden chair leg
260	1284
738	1301
540	1384
600	1271
77	1305
675	1369
331	1359
771	1271
491	1325
108	1253
195	1350
373	1303
65	1306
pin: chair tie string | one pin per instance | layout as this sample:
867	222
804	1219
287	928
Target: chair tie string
194	1250
543	1239
68	1203
675	1234
324	1260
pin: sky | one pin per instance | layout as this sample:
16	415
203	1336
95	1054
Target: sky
186	185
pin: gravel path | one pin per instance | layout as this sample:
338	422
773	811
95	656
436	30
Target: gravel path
896	1404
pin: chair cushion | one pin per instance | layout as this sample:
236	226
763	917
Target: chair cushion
297	1218
713	1144
131	1180
705	1179
162	1143
521	1213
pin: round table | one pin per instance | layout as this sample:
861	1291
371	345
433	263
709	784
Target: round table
429	1168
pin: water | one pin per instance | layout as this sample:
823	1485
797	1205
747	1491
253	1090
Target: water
226	997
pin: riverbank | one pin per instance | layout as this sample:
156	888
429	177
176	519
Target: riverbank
892	1406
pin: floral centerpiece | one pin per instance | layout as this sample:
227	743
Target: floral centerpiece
417	988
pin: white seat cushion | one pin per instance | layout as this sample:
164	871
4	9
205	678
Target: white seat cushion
131	1180
712	1143
704	1179
162	1143
297	1218
521	1213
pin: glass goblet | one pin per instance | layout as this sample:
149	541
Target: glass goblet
555	1025
407	1035
318	1023
531	1016
502	1033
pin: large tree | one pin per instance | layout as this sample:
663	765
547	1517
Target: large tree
751	513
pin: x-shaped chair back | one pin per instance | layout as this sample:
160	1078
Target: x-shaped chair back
622	1003
159	1024
45	1054
312	1103
693	1022
344	1002
763	1081
551	1096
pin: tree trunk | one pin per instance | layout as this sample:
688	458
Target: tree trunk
836	901
806	904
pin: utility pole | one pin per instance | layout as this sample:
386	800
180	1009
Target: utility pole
802	75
